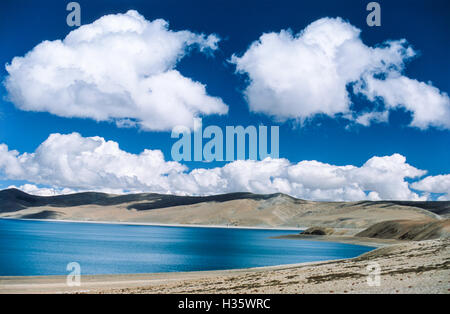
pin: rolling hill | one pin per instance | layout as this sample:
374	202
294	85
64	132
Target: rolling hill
234	209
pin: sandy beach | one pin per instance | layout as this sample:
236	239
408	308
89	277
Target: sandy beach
406	267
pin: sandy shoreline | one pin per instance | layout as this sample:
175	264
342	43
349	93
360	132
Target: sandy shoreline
95	283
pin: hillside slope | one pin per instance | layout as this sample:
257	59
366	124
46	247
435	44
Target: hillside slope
408	230
237	209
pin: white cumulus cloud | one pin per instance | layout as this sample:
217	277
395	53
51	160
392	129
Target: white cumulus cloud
435	184
428	106
121	67
298	76
70	162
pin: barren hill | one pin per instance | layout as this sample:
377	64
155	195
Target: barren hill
408	230
238	209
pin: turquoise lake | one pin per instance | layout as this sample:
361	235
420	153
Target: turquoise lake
30	248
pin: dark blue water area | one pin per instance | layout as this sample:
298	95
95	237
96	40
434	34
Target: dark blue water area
30	248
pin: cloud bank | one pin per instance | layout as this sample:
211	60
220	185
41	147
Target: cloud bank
298	76
70	162
121	67
42	191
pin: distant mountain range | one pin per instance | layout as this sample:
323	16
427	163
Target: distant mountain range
14	199
242	209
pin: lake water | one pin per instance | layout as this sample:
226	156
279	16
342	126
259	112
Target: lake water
45	248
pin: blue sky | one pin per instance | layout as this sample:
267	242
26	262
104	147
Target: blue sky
330	140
